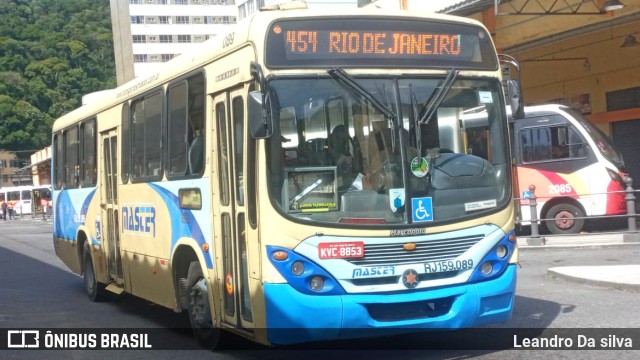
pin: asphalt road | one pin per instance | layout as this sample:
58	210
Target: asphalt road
38	291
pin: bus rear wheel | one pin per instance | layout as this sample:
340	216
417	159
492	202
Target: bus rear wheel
95	290
199	310
565	219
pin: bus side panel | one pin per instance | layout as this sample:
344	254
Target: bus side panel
71	209
588	186
152	222
67	251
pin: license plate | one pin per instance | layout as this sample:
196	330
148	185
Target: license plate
448	265
341	250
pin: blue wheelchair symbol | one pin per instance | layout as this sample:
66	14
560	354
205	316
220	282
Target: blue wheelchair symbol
422	209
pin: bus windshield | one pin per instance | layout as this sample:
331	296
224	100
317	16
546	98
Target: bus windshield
386	150
603	143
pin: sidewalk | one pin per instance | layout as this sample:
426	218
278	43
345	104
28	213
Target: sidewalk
624	277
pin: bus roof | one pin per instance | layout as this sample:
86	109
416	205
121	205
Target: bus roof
250	30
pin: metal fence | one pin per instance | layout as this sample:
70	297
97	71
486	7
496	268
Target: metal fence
630	234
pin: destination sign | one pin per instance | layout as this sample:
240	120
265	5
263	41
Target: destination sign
371	43
379	43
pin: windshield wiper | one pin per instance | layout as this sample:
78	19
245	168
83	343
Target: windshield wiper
416	125
436	99
352	84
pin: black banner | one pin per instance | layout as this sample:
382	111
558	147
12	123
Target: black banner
411	339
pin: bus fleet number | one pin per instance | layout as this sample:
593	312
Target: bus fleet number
228	40
560	189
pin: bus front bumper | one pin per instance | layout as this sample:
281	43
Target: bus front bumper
293	317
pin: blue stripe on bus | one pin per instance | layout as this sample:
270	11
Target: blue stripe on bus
67	218
179	228
293	317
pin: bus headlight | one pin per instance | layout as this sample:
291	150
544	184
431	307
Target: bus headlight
297	268
301	273
501	251
486	267
317	283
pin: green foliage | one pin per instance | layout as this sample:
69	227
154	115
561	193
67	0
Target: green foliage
52	52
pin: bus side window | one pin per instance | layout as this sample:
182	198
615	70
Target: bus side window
195	154
577	146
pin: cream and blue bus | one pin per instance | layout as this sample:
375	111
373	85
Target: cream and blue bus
304	177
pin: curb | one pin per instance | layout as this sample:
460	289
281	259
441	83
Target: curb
560	272
570	246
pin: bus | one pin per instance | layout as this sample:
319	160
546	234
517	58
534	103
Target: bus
18	198
303	177
576	171
41	199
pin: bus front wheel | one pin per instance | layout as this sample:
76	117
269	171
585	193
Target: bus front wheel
199	310
565	219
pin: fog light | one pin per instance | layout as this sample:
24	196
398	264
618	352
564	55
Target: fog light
297	268
317	283
486	268
501	251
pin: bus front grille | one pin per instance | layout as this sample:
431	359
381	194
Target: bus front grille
411	310
425	251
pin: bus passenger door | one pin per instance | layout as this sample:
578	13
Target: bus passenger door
230	233
109	205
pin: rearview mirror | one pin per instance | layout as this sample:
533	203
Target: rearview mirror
259	112
515	99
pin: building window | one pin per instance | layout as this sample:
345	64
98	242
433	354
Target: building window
182	19
164	19
139	39
140	58
137	19
166	39
184	38
135	1
161	2
182	2
623	99
228	19
150	20
167	57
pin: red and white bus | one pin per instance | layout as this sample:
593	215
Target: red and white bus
18	198
576	171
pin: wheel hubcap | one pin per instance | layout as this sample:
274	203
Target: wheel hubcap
88	278
564	220
200	305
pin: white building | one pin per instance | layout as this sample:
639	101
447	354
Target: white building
163	29
147	33
248	7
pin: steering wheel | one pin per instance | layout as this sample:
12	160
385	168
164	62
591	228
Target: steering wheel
380	177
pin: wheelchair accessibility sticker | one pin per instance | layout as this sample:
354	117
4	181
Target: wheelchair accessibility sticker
422	209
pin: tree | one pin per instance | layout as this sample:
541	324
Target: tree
52	52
